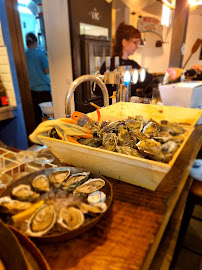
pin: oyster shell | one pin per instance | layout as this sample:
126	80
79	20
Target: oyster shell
94	142
57	178
172	127
7	205
90	186
109	141
124	138
75	180
151	149
128	151
134	124
41	183
151	129
169	147
24	193
41	221
100	207
70	218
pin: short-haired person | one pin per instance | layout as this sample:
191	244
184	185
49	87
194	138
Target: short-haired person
127	41
37	65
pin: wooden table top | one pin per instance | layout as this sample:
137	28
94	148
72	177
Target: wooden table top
128	236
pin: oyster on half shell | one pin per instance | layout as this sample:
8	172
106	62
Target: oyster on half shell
70	218
41	183
24	193
42	220
90	186
7	205
100	207
75	180
57	178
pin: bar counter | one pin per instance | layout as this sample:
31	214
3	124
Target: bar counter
128	236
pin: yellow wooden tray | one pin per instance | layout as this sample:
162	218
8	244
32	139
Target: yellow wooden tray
142	172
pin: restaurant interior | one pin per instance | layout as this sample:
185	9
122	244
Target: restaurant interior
151	207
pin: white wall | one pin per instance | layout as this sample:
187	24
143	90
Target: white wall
194	32
56	21
5	75
155	59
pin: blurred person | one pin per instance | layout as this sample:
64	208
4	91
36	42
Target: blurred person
38	70
127	41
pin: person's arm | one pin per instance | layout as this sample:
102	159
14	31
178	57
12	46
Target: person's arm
45	64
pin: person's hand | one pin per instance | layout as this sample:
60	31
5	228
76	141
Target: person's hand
197	68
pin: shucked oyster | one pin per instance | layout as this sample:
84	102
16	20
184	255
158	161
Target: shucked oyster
41	183
90	186
57	178
70	218
24	193
7	205
97	208
75	180
42	221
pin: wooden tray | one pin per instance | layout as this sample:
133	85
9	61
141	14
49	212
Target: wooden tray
138	171
57	237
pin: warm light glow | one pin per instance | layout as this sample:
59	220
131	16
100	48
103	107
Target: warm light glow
169	4
194	3
166	16
135	76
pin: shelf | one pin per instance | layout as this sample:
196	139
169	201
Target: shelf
6	112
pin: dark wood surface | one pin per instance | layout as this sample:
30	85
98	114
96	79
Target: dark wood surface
129	234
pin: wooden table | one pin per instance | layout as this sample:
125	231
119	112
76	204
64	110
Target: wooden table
129	234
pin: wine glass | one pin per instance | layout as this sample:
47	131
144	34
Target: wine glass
43	159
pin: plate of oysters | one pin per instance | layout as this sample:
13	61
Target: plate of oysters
56	204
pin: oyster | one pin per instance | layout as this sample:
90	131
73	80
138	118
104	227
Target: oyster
169	147
113	126
94	142
128	151
75	180
134	124
70	218
24	193
57	178
41	183
109	141
124	138
135	134
7	205
172	127
41	221
151	129
151	149
94	127
163	136
100	207
90	186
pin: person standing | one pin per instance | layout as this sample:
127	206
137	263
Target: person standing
127	41
38	70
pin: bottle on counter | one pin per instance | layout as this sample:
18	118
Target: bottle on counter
3	95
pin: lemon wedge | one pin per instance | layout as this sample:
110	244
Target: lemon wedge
27	213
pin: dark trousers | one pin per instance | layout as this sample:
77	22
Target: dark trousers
39	97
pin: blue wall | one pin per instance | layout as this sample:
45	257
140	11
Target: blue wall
12	132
